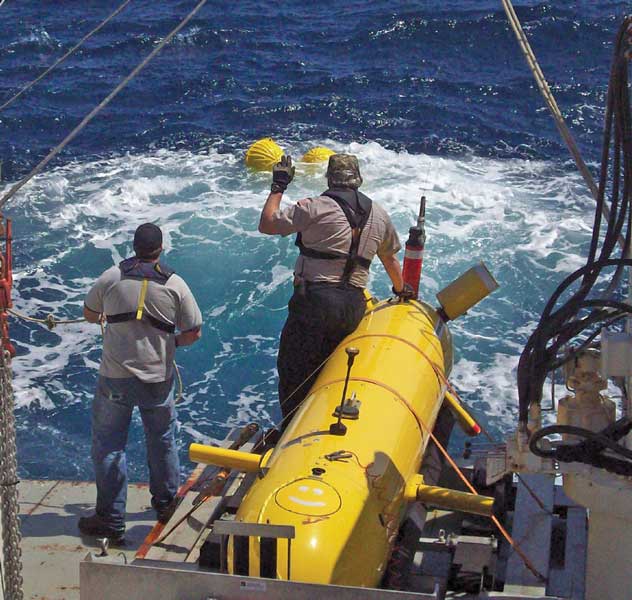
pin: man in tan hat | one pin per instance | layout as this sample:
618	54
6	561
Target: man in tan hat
338	233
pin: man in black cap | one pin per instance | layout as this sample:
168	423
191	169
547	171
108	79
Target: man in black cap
338	234
144	303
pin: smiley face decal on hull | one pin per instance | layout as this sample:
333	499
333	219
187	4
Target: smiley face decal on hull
309	496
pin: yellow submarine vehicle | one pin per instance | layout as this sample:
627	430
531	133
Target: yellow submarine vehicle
345	469
340	478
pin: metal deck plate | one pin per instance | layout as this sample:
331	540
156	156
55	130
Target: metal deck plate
52	546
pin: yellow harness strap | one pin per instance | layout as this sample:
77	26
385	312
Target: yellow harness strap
141	300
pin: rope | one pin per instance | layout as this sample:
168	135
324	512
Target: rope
456	468
55	151
267	434
422	426
465	480
49	321
491	439
443	379
485	432
549	99
28	86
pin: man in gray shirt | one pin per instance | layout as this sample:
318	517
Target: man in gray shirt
144	303
338	234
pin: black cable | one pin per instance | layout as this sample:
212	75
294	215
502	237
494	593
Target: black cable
585	310
592	450
576	351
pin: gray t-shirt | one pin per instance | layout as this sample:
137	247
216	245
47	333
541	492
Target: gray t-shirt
324	227
137	348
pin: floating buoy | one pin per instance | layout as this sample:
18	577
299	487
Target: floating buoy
317	155
263	155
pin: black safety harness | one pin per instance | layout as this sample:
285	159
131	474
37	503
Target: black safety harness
134	268
357	220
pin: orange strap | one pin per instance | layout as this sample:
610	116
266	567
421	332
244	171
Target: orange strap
443	379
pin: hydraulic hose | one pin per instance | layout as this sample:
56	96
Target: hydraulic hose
573	319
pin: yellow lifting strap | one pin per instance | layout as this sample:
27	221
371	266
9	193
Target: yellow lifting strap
141	300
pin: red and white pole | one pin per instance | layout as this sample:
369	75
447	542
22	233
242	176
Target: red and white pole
414	254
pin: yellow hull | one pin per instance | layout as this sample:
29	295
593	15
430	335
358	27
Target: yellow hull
347	512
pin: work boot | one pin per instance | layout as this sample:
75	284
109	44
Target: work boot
95	526
164	511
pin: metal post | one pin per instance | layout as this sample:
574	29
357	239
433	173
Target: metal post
289	553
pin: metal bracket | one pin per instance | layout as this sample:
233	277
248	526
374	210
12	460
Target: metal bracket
350	409
238	529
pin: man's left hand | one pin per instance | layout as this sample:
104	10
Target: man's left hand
282	174
406	293
186	338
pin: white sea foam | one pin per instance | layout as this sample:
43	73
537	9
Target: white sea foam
529	221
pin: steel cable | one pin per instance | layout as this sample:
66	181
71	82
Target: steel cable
95	111
551	103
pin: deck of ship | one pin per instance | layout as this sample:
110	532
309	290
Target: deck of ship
52	546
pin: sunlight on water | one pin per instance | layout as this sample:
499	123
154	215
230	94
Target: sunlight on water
74	222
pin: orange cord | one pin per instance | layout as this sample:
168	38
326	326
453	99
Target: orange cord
423	427
441	376
442	379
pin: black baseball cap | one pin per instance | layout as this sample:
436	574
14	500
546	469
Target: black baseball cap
147	238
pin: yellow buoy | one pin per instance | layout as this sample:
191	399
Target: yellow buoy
317	155
263	155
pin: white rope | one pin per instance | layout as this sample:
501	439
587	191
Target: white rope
28	86
549	99
55	151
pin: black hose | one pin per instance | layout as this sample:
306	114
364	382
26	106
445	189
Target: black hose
587	343
592	450
565	320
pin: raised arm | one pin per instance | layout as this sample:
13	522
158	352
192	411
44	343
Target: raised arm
282	175
267	223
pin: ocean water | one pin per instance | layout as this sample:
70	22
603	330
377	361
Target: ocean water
434	98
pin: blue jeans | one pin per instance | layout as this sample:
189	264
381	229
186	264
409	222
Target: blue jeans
112	409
